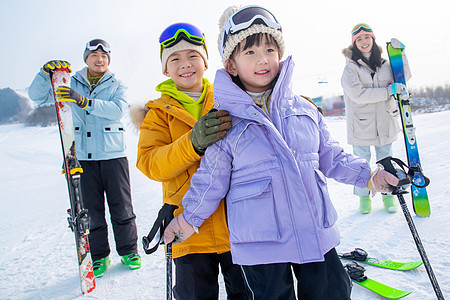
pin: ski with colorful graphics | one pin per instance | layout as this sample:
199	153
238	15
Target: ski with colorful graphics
356	273
419	194
360	255
78	218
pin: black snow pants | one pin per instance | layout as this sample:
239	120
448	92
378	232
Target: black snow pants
110	178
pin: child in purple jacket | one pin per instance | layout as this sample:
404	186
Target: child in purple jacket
271	169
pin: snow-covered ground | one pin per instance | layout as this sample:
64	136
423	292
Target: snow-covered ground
37	250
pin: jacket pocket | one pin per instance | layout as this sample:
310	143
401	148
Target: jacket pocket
177	183
251	211
392	107
328	215
364	125
79	137
113	136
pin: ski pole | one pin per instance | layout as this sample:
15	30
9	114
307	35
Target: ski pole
165	215
399	191
169	271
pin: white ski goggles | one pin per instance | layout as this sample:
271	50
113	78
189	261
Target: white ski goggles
95	44
246	17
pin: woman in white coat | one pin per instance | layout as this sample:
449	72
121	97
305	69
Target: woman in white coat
371	110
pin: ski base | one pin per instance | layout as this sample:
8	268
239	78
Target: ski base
86	268
78	218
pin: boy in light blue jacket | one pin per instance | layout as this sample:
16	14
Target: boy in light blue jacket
271	168
100	102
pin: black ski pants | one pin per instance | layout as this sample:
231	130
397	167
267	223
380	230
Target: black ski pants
196	277
315	281
110	178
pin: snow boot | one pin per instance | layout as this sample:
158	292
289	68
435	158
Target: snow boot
365	204
100	266
390	204
132	261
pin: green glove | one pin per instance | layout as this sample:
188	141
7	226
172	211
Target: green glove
209	129
66	94
52	65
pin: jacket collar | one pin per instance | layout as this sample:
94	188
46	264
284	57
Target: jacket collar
229	96
82	77
348	52
194	107
172	107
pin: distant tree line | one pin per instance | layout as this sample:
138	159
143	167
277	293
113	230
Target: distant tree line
42	116
430	99
15	108
432	92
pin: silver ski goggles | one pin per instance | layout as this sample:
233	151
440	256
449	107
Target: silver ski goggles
246	17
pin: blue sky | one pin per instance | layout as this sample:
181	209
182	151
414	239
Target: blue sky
315	32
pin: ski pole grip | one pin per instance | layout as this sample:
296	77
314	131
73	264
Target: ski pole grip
389	167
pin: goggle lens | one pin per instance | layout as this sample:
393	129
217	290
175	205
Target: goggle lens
249	13
360	28
246	17
173	33
95	44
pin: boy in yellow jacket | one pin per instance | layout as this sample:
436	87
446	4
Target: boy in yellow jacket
174	134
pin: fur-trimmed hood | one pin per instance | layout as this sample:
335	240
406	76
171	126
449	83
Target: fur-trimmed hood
137	114
349	51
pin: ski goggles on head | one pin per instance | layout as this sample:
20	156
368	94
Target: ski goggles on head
95	44
360	28
174	33
246	17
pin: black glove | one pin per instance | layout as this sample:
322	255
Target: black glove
209	129
66	94
52	65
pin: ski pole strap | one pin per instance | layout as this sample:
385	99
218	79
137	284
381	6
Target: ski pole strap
165	215
389	167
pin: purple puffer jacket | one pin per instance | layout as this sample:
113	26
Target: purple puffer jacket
272	174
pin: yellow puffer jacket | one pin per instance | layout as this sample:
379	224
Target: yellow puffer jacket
166	154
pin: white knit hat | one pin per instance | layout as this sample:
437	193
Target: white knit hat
182	45
234	39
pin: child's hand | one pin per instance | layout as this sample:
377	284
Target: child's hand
382	181
209	129
178	230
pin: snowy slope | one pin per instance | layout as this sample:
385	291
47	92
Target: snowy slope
37	250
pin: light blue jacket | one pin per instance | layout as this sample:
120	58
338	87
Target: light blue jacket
99	133
272	173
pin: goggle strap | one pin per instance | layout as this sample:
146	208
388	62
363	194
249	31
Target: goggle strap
360	28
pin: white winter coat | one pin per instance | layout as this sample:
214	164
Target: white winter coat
372	115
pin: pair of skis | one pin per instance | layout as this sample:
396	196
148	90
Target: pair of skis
419	193
356	272
78	218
